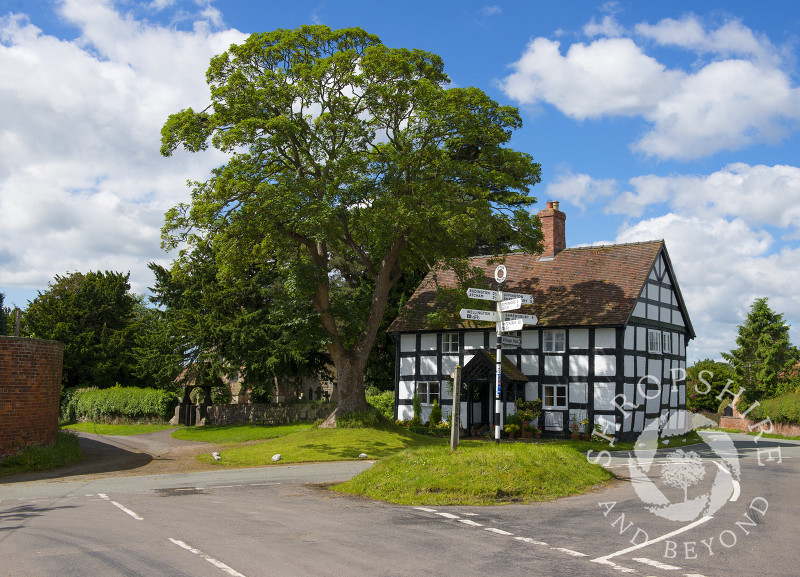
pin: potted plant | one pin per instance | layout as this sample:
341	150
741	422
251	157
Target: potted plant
537	431
586	430
575	429
511	430
528	411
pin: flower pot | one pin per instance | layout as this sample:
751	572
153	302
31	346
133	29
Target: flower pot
537	434
575	436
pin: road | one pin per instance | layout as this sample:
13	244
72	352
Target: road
280	520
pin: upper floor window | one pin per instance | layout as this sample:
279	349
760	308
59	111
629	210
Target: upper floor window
427	391
654	342
450	343
554	341
666	343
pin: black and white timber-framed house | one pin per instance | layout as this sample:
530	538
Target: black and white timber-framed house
609	347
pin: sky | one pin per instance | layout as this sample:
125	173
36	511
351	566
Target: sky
651	120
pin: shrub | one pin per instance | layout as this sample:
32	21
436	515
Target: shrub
416	420
372	418
514	420
120	403
436	413
384	402
782	409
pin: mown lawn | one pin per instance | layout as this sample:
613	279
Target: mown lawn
478	473
237	433
65	451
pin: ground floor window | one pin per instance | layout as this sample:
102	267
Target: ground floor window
428	391
555	397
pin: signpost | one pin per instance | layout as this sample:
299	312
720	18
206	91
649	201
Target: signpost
506	322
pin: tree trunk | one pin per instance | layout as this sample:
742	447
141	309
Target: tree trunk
350	384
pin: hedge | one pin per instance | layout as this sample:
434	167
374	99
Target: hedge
782	409
118	403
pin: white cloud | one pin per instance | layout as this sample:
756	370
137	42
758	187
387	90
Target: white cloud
725	104
758	195
492	10
608	26
580	189
82	184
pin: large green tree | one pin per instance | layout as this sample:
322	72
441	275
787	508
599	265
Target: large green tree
705	381
348	163
5	317
764	358
95	316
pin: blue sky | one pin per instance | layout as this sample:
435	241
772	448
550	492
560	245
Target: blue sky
651	120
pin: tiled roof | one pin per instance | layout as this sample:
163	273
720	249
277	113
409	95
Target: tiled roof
586	286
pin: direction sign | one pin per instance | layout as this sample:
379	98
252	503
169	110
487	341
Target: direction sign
476	315
509	305
527	319
507	326
513	341
490	295
526	299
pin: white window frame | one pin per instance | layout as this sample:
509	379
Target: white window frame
426	397
449	342
654	342
550	341
555	393
666	343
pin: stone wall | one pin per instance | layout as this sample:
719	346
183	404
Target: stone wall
30	390
268	413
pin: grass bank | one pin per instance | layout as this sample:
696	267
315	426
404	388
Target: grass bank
65	451
478	473
223	434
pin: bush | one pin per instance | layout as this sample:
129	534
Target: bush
782	409
416	420
65	451
436	414
119	403
384	402
372	418
514	420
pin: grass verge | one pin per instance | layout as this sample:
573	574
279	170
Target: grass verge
756	433
65	451
121	430
237	433
317	445
478	474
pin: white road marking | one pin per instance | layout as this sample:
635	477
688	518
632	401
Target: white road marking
425	509
227	569
498	531
470	523
128	511
657	564
656	540
693	575
531	541
448	515
569	551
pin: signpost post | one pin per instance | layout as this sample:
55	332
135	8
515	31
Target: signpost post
506	322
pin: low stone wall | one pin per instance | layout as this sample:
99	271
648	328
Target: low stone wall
30	390
268	413
785	429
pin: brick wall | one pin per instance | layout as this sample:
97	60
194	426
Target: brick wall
30	389
749	425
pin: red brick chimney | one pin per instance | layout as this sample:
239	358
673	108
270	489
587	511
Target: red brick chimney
553	229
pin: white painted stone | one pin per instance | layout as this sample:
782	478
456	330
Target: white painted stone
362	456
276	457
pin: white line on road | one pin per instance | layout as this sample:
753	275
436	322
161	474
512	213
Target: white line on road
700	521
126	510
657	564
498	531
470	523
531	541
570	552
425	509
448	515
227	569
